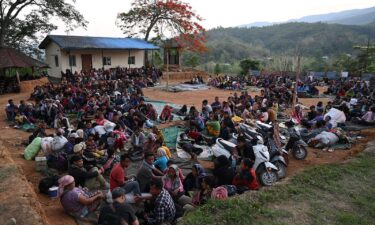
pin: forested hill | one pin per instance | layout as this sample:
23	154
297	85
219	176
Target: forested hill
227	45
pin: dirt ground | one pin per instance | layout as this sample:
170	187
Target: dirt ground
19	195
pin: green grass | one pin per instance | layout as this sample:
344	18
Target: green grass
330	194
6	172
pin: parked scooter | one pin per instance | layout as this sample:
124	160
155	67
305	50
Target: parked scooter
279	157
266	171
222	147
295	142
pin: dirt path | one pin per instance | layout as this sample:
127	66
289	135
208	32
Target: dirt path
50	210
19	192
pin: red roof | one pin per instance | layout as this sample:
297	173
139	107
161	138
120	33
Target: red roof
11	58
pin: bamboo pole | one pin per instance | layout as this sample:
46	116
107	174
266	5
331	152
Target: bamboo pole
295	94
167	70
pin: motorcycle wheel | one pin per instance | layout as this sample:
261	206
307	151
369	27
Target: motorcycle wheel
267	178
281	173
299	152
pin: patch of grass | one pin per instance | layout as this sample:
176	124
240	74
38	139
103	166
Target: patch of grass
332	194
7	171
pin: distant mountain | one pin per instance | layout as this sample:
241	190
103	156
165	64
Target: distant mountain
228	45
348	17
258	24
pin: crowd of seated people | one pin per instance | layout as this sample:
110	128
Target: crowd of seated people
112	113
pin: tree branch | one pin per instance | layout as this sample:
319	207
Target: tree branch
13	7
20	9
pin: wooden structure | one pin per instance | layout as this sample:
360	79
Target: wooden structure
172	55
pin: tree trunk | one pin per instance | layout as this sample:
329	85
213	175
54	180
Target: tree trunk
3	32
2	37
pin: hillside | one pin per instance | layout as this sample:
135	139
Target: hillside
347	17
227	45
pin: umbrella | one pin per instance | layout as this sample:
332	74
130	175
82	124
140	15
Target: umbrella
11	58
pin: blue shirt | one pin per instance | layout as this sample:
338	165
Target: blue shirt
161	163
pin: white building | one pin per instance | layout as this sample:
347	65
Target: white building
76	53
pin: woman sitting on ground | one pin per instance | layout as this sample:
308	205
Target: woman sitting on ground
166	114
173	184
76	201
180	112
193	180
207	185
246	178
161	160
368	118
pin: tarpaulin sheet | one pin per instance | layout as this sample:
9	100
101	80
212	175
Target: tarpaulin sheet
189	87
159	105
170	135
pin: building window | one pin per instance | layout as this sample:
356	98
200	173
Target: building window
72	60
56	61
106	61
131	60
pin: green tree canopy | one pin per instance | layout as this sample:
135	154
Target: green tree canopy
21	21
249	64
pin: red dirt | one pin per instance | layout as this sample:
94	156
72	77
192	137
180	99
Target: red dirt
47	211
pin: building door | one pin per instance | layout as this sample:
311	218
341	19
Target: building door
86	62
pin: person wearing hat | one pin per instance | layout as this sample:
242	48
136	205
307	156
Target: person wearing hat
118	212
91	179
76	201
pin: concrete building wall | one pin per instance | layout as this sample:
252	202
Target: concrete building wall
52	51
119	58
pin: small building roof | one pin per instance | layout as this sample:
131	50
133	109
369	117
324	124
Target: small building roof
93	43
11	58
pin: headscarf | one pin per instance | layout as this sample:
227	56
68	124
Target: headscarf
80	133
200	170
63	182
152	136
161	152
176	183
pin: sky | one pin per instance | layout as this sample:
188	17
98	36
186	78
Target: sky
101	14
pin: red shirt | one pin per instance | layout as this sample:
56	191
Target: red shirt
117	177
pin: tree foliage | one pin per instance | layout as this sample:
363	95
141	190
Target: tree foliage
148	18
191	60
366	58
249	64
21	21
230	45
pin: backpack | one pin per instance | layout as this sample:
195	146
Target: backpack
46	183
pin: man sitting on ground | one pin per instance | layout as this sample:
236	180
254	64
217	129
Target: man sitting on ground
118	212
118	177
164	208
148	172
91	179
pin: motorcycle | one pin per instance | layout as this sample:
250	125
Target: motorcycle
222	147
295	143
266	171
279	157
